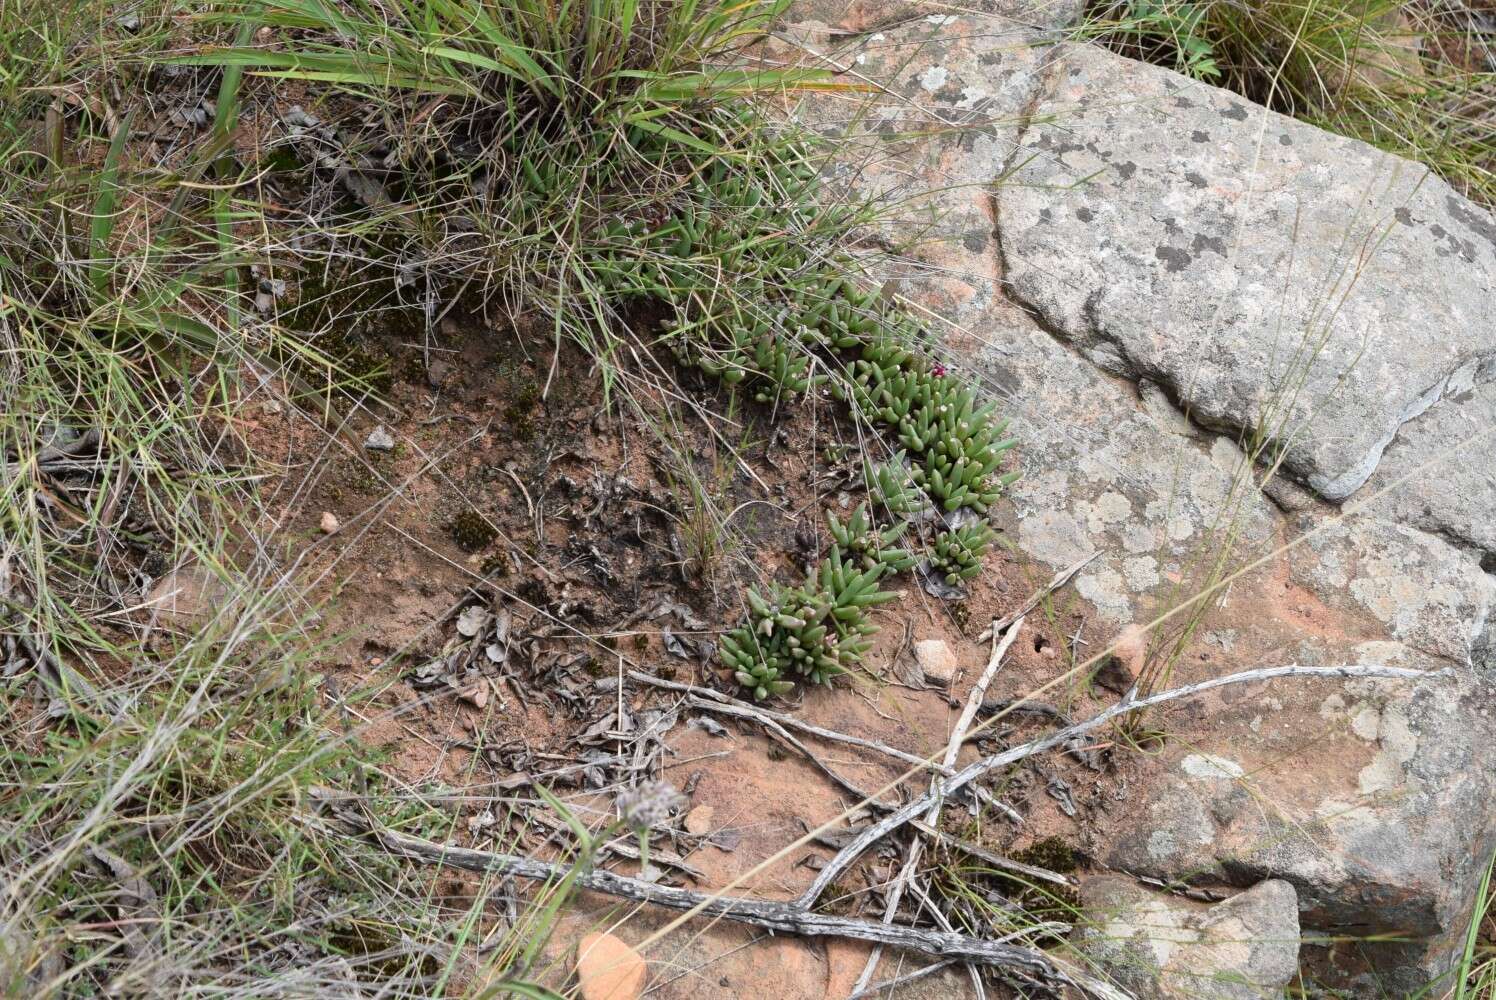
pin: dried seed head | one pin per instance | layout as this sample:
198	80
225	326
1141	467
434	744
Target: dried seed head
648	805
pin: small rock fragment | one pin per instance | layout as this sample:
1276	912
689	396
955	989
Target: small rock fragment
471	621
477	695
187	594
1120	670
699	821
608	969
1160	947
1115	674
380	439
330	523
437	373
936	660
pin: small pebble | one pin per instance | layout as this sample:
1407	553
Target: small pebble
330	523
699	821
608	969
380	439
936	660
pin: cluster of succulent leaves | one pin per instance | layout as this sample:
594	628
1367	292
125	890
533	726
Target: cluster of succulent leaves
820	629
864	543
936	417
811	632
957	552
892	488
945	473
778	318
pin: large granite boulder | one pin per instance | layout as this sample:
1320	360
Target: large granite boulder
1172	290
1280	280
1379	839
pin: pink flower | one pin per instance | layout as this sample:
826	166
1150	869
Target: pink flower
938	370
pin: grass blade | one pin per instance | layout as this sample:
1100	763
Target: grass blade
102	227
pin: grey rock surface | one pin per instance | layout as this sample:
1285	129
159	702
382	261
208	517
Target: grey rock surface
1042	200
1429	594
865	16
1160	947
1380	839
1439	474
1279	279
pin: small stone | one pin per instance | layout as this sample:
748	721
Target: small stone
477	695
1115	674
330	523
187	594
699	821
380	439
437	373
936	660
1120	670
1159	947
608	969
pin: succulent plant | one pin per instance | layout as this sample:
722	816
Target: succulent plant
957	552
957	443
892	487
862	542
812	632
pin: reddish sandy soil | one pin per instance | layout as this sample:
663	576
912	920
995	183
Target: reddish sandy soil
590	542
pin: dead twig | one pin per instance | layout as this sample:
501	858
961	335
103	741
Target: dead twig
895	892
778	731
725	705
904	980
1055	583
784	918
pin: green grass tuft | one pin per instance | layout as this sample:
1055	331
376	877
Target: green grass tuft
1412	79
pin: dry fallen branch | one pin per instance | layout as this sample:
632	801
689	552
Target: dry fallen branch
716	701
887	986
1055	583
779	731
787	918
893	821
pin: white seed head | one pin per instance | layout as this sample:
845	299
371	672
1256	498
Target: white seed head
648	805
